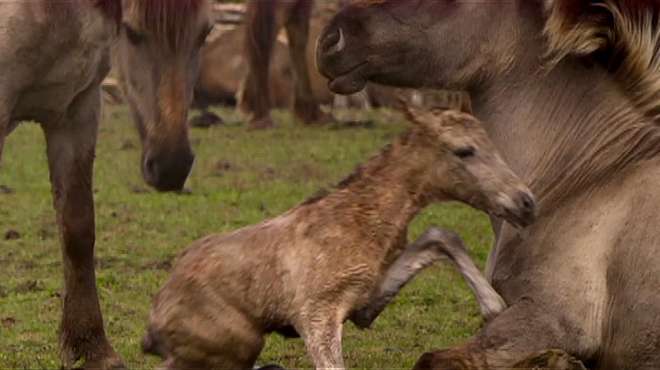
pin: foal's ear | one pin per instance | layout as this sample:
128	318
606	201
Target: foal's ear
409	112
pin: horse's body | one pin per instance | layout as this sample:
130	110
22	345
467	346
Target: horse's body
54	58
343	255
583	130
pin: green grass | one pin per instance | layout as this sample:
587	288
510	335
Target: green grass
240	177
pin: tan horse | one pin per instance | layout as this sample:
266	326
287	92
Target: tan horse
54	56
336	256
571	89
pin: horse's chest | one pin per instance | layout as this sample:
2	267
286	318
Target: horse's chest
51	94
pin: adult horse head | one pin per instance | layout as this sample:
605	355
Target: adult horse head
571	91
157	55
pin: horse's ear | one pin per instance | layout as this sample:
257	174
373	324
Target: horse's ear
409	112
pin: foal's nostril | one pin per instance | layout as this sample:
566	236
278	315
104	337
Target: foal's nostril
527	202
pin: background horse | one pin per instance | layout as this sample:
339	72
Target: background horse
55	55
582	127
264	20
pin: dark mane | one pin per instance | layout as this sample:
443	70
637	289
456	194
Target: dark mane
374	163
111	9
169	21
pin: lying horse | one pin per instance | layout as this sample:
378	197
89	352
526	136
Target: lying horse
336	256
54	57
571	89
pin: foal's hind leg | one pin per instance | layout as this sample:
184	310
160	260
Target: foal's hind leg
305	105
71	144
430	247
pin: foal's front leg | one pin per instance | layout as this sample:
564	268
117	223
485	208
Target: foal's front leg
71	144
322	331
433	245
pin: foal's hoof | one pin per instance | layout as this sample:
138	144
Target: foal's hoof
270	367
551	360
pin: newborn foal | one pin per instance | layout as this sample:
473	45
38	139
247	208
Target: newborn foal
339	256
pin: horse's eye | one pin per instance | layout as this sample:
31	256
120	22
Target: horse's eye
134	36
465	152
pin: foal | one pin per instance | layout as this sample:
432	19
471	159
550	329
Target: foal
339	256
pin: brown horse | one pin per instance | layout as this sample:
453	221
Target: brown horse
264	20
341	255
571	89
54	57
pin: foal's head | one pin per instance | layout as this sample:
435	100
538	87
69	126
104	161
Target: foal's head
158	58
462	164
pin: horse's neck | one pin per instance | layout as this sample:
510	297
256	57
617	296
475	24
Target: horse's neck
565	130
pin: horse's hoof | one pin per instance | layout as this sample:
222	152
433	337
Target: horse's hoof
110	362
263	123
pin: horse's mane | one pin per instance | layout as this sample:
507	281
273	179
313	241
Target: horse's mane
167	20
111	9
624	35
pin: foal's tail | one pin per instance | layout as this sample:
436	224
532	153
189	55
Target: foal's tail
152	343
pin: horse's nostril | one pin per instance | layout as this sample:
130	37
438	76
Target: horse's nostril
527	202
333	42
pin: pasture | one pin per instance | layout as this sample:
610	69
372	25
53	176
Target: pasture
240	177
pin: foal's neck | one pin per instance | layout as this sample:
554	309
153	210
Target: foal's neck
382	196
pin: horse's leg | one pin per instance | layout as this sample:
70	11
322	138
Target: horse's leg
514	337
71	144
322	332
430	247
305	105
260	33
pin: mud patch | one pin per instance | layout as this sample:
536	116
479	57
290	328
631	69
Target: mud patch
165	264
127	145
7	322
4	189
30	286
12	234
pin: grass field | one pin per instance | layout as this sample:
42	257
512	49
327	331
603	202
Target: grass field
240	177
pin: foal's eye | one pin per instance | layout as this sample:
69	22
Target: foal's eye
465	152
134	36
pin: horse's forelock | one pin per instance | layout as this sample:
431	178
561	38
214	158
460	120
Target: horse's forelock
169	21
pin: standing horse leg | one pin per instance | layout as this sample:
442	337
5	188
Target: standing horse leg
71	144
305	105
433	245
260	33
